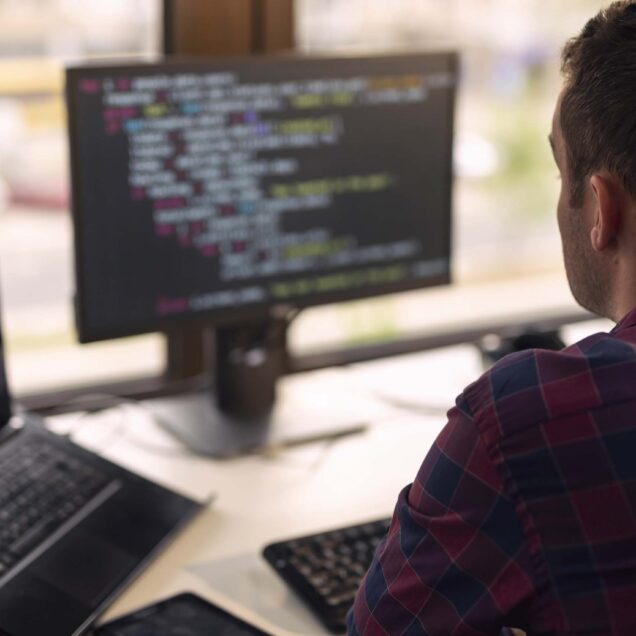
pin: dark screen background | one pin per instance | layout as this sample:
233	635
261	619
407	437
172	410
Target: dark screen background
123	267
5	397
181	616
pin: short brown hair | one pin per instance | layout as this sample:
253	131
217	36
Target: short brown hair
598	106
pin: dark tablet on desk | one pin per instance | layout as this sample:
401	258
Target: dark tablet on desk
182	615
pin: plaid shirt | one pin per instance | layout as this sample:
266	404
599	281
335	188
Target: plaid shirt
524	510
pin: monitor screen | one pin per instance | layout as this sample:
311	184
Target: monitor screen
220	189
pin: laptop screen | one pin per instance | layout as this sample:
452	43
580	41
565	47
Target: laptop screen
5	398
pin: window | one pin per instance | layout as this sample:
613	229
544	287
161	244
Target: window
506	238
506	245
37	37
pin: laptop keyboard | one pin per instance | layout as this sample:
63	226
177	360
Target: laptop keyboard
41	487
326	569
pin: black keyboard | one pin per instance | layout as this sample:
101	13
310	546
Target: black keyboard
41	488
325	569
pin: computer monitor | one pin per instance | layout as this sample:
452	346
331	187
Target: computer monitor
233	190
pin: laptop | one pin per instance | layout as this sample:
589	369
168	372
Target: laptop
74	528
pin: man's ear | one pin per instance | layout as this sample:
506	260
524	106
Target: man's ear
607	203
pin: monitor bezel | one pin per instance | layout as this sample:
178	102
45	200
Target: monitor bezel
254	312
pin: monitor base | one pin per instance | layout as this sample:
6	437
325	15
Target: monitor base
197	422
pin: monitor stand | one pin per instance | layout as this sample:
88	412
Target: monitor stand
245	411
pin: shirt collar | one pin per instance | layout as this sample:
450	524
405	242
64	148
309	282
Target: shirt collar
629	320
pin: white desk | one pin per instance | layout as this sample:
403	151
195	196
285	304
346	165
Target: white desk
297	491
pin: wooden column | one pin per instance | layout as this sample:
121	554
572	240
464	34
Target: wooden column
218	28
227	27
272	25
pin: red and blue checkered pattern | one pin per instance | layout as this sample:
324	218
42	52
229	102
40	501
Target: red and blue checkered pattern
523	513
